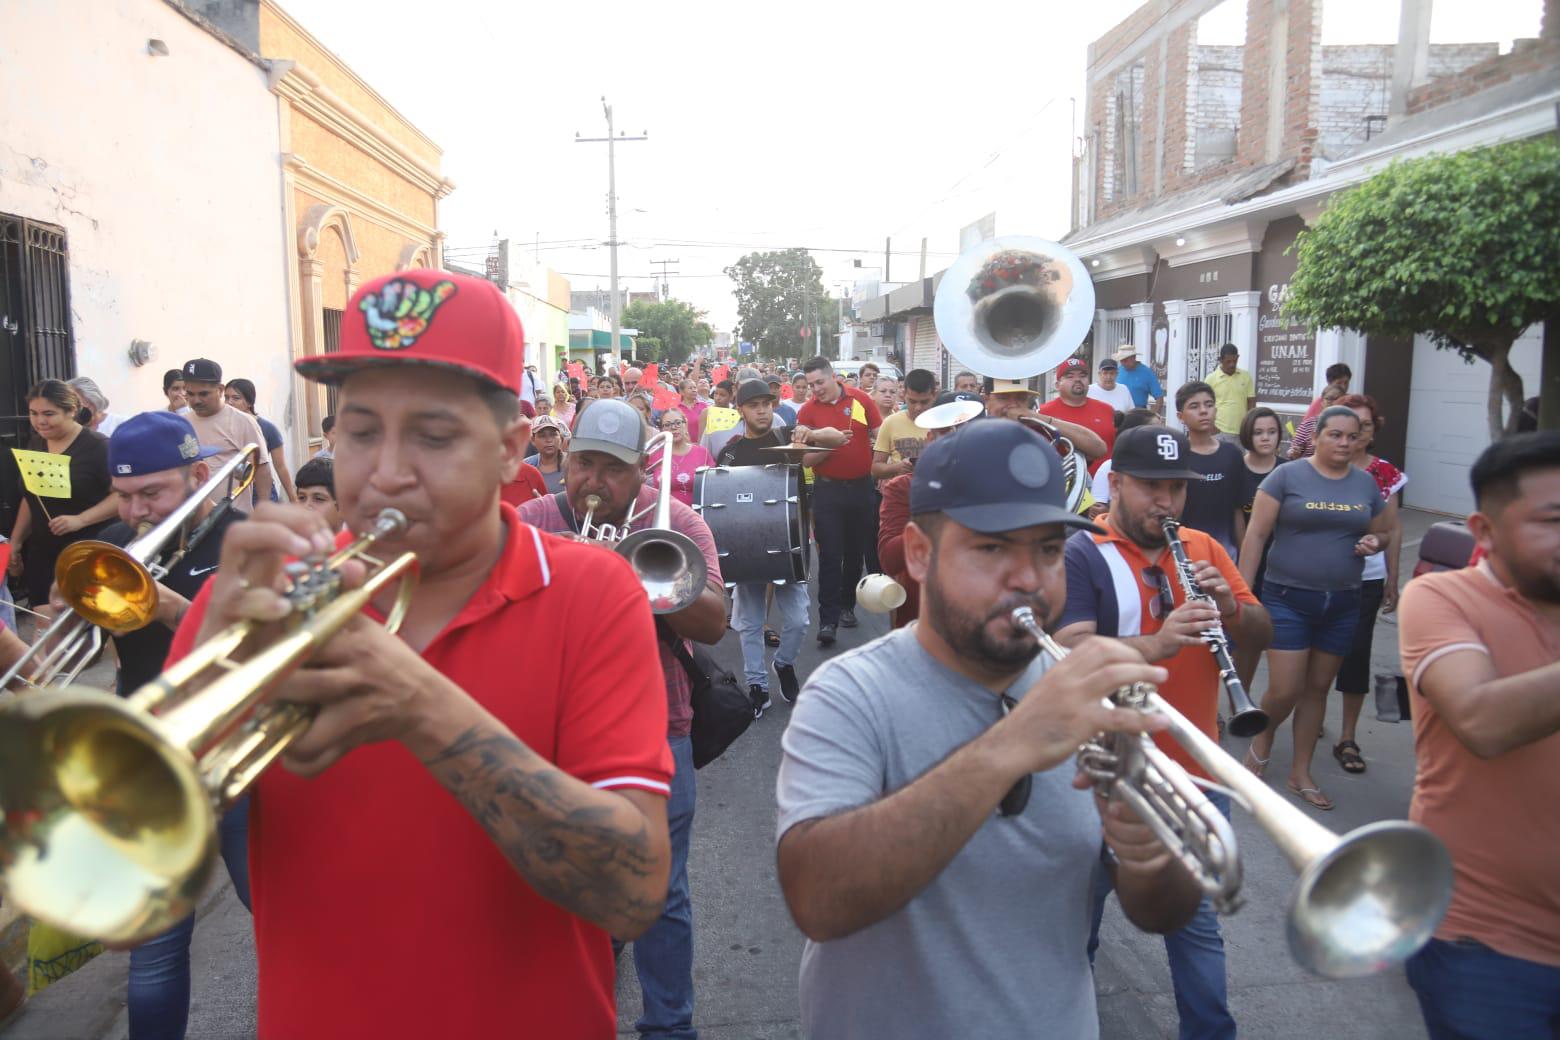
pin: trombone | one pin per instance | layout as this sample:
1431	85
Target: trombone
113	588
1365	901
667	563
110	805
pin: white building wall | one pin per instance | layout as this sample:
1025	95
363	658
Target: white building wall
165	173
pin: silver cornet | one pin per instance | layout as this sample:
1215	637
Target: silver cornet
1364	901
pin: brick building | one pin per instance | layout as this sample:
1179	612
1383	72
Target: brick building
1202	161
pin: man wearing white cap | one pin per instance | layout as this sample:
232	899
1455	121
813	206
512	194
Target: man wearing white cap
1138	378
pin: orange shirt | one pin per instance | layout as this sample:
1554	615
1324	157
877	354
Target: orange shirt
1498	817
1106	584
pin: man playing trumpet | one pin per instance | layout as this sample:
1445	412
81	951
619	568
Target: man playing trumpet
437	802
934	843
604	483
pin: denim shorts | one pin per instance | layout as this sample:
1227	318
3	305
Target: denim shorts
1310	619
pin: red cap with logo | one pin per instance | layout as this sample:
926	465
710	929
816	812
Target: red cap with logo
426	317
1072	364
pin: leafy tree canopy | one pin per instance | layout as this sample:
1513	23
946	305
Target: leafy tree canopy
1462	248
780	293
668	331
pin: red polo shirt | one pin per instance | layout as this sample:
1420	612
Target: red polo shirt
854	410
528	484
381	907
1095	415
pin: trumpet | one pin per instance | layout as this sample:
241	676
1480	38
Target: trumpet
1364	901
667	563
1246	719
115	589
110	806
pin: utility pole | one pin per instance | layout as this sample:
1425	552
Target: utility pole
612	243
666	288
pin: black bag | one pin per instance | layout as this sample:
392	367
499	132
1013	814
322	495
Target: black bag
722	711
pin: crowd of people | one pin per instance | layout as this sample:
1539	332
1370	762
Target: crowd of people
934	843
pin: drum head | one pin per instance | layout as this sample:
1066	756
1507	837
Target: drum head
755	515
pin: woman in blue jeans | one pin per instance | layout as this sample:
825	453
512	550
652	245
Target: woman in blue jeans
1325	517
159	992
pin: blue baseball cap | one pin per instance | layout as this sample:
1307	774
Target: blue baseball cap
993	476
152	442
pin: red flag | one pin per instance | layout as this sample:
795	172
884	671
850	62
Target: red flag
577	370
652	375
720	373
786	393
663	398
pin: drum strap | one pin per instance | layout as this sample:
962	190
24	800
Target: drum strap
564	510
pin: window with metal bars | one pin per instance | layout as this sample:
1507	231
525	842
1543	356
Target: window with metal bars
35	331
332	344
1209	325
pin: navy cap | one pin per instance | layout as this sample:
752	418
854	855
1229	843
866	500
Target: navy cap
950	396
993	476
152	442
1153	453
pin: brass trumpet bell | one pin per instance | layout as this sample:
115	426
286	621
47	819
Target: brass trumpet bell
108	806
109	832
106	586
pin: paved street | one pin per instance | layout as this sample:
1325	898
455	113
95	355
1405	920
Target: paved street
748	949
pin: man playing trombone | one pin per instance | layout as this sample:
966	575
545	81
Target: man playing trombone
481	798
1123	583
934	845
605	494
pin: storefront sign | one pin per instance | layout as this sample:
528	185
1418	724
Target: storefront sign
1286	351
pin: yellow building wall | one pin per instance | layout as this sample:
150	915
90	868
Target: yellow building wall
344	161
281	37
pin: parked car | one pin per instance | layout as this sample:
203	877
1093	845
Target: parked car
1446	546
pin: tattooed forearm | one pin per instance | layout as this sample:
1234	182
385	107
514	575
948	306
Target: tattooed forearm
589	851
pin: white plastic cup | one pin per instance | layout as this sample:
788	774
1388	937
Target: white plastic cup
879	594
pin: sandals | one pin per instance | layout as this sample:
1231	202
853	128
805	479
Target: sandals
1257	766
1347	752
1311	796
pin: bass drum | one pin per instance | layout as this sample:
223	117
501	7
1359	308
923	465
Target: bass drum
755	514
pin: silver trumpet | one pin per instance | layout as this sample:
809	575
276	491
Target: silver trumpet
1364	901
667	563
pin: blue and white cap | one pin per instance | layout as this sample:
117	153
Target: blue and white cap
152	442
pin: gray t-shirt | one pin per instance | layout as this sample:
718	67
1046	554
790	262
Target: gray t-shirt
1319	520
994	947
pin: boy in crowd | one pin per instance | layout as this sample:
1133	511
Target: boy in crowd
1213	504
316	484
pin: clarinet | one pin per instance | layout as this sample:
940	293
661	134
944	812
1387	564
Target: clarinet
1246	719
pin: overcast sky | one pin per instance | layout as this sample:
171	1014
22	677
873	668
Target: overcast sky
826	125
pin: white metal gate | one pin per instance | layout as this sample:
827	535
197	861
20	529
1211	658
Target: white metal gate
1209	325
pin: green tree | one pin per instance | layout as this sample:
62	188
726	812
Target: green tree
779	294
668	331
1463	248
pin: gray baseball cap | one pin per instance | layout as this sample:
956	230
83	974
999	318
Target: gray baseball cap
611	426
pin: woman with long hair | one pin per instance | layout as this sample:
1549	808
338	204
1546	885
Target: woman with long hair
240	394
689	405
687	457
1260	434
563	405
45	525
1325	516
1379	587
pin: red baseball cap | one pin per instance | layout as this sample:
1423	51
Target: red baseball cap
427	317
1072	364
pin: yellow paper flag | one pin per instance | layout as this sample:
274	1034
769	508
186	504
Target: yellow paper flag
718	419
46	475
